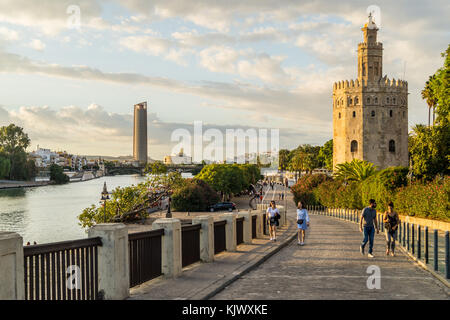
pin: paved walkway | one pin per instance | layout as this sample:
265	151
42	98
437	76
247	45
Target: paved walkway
330	266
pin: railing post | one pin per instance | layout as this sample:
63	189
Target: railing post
206	237
436	252
412	239
447	256
419	245
259	224
407	236
230	231
247	226
113	260
12	285
171	263
399	233
426	245
404	233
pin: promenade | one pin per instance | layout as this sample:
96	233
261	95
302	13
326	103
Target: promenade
329	266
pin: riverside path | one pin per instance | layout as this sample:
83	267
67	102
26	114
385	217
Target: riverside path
330	266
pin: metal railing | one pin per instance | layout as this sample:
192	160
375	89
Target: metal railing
265	231
219	236
414	238
190	244
254	227
239	230
66	270
145	256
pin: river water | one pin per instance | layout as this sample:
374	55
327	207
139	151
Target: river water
49	213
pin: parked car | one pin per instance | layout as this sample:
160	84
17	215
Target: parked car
230	206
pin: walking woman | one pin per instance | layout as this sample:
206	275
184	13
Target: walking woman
272	215
391	221
302	223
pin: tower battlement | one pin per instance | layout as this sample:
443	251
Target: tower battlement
382	82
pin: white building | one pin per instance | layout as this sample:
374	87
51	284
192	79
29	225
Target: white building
179	158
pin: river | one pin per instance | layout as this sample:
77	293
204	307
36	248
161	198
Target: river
49	213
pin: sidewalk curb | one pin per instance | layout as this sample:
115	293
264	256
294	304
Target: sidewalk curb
250	267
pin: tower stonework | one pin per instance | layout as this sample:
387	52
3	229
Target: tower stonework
370	114
140	133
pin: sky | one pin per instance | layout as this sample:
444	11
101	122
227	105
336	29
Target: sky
259	64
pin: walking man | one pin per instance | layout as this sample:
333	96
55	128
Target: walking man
367	225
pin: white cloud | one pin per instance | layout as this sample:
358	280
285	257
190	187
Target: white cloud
37	45
8	34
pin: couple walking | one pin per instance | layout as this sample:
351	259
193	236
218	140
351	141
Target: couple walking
273	215
368	224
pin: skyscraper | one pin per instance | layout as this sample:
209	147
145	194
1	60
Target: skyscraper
140	133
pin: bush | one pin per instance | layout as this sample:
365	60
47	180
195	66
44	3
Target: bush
430	200
382	186
303	189
335	193
57	174
195	195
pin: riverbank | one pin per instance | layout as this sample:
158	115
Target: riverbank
6	184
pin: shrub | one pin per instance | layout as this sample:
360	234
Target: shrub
303	189
425	200
382	186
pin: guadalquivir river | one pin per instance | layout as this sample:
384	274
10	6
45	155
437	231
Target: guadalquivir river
49	213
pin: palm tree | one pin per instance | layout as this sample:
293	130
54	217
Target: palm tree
356	170
429	96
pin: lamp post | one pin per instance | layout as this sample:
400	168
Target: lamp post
169	213
103	199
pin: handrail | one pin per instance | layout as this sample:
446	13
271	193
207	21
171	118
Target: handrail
146	234
191	227
62	245
220	223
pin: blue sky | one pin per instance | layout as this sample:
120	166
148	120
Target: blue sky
253	64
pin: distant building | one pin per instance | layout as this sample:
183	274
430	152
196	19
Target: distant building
370	114
140	133
179	158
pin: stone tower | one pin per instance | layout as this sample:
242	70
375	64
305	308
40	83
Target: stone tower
140	133
370	114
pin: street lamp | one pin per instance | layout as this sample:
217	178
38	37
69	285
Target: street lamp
168	213
103	199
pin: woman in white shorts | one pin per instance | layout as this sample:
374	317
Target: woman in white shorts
272	216
302	223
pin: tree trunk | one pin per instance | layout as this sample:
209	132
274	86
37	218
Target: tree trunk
434	109
429	110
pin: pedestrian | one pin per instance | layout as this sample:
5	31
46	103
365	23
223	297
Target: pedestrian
367	225
302	223
391	221
272	216
282	196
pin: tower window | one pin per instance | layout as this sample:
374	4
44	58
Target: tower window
354	114
376	100
403	114
372	113
391	146
390	113
354	146
339	115
394	101
388	100
356	100
350	101
368	99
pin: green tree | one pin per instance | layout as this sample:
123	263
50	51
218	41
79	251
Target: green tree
429	151
156	167
57	174
325	156
283	158
356	170
13	143
5	167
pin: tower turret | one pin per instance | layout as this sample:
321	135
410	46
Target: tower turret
370	54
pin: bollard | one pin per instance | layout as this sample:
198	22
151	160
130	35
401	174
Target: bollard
419	246
447	256
426	245
436	261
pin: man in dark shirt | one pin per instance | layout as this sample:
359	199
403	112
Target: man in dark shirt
368	224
